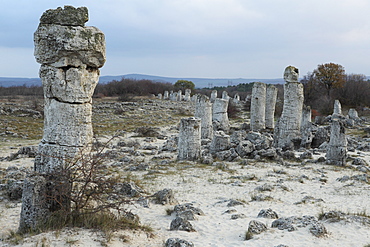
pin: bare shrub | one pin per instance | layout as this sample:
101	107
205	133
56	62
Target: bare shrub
84	193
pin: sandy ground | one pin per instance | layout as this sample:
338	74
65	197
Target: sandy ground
210	189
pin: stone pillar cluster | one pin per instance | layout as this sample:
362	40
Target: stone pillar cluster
70	55
263	101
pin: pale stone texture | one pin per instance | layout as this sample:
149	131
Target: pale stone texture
337	108
237	97
62	46
203	110
34	204
179	95
271	96
187	94
337	148
306	127
73	85
70	55
352	114
166	95
220	118
213	95
220	142
160	96
225	95
258	105
288	132
189	142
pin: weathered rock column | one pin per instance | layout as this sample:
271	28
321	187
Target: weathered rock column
287	134
70	55
271	95
306	127
187	94
225	95
189	143
219	115
179	95
337	148
258	105
165	95
203	110
337	108
213	95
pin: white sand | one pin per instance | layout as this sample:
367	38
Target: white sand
210	189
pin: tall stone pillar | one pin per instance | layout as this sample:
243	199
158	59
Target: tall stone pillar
306	127
337	108
165	95
187	94
179	95
220	118
70	55
271	95
203	110
258	105
287	135
337	148
225	95
213	95
189	142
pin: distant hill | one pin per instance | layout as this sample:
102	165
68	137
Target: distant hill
199	82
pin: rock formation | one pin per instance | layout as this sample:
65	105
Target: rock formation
220	118
166	95
258	104
70	55
213	95
306	127
271	95
220	142
225	95
189	143
203	110
287	134
337	148
187	94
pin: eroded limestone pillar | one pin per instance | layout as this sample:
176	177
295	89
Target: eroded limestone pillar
213	95
189	142
271	96
337	149
258	105
337	108
203	110
165	95
225	95
306	127
287	135
220	118
187	94
70	55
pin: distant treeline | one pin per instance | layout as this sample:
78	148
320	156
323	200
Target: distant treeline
21	90
353	92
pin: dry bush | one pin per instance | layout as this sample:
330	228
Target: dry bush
84	193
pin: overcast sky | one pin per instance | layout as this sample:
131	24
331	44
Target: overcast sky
203	38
